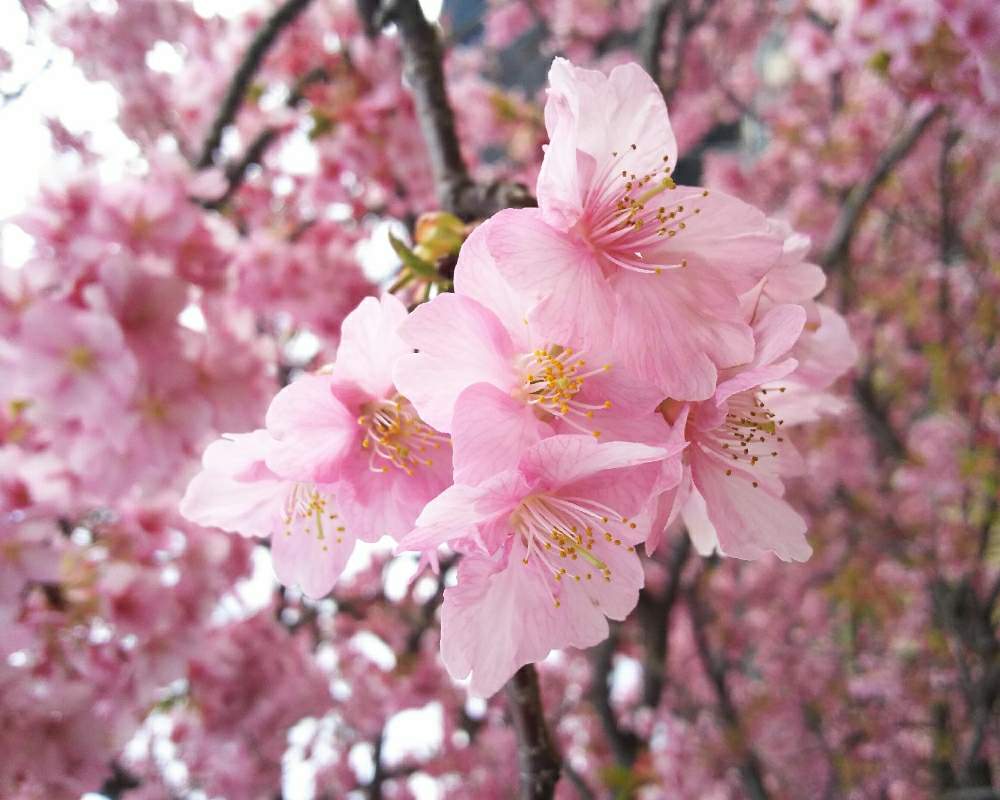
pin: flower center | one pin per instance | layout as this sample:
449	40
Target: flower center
396	435
308	507
80	358
750	430
552	378
565	535
631	215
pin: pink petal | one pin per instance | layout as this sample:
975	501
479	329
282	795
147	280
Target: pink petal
677	328
491	430
497	618
216	497
310	561
732	236
370	344
459	509
574	303
749	521
775	334
561	460
584	150
461	344
477	277
377	504
313	431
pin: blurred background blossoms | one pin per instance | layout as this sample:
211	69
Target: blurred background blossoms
177	250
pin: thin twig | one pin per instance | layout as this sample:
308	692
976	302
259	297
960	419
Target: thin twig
238	86
582	789
236	171
876	414
651	37
654	614
751	770
857	200
539	760
624	743
423	71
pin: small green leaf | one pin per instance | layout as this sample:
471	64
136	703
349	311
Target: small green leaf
413	261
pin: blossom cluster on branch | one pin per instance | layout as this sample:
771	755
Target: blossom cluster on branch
708	432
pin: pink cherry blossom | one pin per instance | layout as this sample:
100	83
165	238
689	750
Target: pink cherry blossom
352	427
78	361
731	496
551	553
615	238
235	491
478	351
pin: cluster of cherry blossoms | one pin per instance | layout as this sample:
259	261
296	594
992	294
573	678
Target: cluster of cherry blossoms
156	295
630	353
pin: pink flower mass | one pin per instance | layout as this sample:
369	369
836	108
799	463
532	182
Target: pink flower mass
542	399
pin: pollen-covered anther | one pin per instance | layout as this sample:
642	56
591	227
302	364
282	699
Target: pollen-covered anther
749	424
308	505
547	524
396	438
553	377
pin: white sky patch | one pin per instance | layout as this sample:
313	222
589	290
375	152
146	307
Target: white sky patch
361	759
432	9
398	574
375	253
229	9
192	318
374	649
626	675
251	594
297	155
414	733
166	58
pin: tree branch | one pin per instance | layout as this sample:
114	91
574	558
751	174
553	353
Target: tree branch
252	59
540	762
654	614
751	770
850	213
237	170
423	70
877	416
624	743
651	37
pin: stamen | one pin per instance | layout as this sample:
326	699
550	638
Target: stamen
553	377
307	504
555	529
396	437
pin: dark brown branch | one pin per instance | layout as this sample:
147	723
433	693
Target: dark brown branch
857	200
423	71
651	37
584	792
654	615
428	610
750	768
237	170
948	240
119	782
238	86
539	760
876	414
624	743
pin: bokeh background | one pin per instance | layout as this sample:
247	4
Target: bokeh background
144	657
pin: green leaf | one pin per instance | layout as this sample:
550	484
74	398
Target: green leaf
413	261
